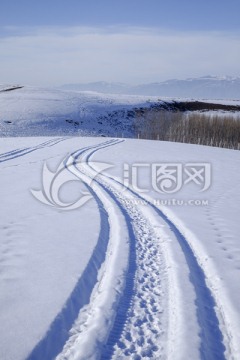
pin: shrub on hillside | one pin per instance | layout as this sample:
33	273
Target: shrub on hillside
195	128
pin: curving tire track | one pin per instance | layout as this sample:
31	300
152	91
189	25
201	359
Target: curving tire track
58	334
142	299
212	346
139	326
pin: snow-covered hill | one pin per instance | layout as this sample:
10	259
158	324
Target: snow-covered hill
114	248
30	111
207	87
135	273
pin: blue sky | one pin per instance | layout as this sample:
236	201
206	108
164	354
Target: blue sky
175	14
61	41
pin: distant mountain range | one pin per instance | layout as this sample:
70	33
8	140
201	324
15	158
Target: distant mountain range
207	87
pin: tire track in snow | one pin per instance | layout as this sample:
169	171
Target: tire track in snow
58	334
24	151
147	307
207	318
142	300
212	346
138	325
52	343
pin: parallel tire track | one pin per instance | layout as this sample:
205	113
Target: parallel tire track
212	346
139	327
24	151
58	334
54	340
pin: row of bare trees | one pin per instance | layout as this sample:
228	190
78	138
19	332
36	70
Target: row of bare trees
195	128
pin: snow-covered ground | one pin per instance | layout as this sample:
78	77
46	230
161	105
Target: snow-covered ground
126	275
31	111
112	248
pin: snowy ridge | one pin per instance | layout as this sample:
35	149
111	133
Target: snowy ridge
205	87
33	111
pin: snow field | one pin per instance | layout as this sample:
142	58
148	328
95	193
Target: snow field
156	282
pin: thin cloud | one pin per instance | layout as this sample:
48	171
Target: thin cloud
55	55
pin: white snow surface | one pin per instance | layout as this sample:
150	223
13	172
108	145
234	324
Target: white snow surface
131	274
32	111
44	252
